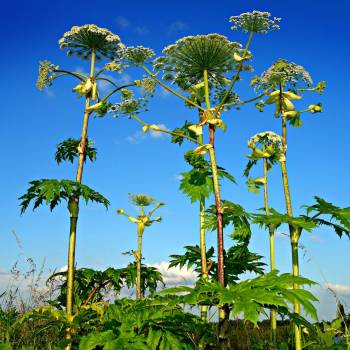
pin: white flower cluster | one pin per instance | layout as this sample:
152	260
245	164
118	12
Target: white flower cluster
267	138
187	40
46	75
256	22
283	72
77	31
184	61
81	39
137	54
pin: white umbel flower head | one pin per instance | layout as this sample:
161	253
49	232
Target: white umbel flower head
255	22
138	55
266	137
184	61
284	73
80	40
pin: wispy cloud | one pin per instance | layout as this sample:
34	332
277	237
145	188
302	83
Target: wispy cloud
124	23
315	238
141	30
49	92
136	138
178	177
162	93
177	26
342	289
124	79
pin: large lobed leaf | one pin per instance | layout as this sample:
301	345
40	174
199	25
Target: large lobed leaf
250	298
52	191
68	150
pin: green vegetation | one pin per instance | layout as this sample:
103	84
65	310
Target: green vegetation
86	309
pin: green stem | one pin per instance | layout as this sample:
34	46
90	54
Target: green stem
116	90
239	103
236	76
108	80
273	322
71	263
218	205
166	87
294	234
219	210
206	88
74	209
140	229
202	242
74	74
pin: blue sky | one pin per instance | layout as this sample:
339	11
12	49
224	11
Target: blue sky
33	123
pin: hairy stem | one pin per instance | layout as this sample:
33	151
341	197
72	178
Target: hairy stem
202	241
71	261
219	210
294	234
140	230
218	205
75	203
81	77
273	322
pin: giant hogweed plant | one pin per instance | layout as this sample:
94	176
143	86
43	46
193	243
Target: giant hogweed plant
90	43
93	43
142	221
287	80
267	147
207	66
322	213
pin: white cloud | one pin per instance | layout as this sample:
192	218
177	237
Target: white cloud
123	22
341	289
175	276
178	177
158	134
178	26
141	30
63	268
49	92
162	93
136	138
81	70
124	79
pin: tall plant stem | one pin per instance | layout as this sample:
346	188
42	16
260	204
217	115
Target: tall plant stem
202	241
294	234
74	205
214	169
219	211
138	255
273	322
